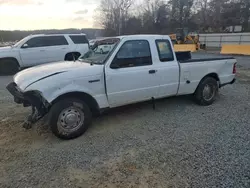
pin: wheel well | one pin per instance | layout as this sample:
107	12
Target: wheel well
69	54
88	99
11	58
212	75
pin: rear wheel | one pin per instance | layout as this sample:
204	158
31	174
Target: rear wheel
8	66
206	92
69	118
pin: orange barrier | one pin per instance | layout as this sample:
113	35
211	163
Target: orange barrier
185	47
239	49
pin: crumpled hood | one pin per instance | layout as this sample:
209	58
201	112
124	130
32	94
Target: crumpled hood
26	77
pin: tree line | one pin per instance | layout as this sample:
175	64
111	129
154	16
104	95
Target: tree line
119	17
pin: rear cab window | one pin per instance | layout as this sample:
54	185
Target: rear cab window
164	50
79	39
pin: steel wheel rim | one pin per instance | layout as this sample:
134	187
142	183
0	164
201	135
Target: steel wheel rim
70	119
208	92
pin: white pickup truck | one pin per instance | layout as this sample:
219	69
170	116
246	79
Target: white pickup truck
40	49
138	68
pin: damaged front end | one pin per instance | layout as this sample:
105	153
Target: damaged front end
34	99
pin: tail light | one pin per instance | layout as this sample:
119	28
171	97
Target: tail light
234	68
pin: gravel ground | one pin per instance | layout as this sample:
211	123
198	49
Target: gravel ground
180	144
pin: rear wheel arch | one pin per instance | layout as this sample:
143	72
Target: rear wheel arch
87	98
206	91
212	75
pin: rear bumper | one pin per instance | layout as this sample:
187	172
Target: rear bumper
232	82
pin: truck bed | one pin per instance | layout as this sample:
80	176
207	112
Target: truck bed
188	57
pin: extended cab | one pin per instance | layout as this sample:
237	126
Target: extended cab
40	49
137	68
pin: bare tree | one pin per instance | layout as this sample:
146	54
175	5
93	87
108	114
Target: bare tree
246	14
119	17
203	6
113	15
150	15
201	14
181	11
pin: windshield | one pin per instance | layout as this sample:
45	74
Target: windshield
100	51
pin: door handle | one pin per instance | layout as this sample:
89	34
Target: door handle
152	71
42	50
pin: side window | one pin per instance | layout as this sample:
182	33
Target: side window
54	41
46	41
132	54
164	50
79	39
35	42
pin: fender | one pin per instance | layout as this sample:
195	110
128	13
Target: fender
51	96
12	53
51	93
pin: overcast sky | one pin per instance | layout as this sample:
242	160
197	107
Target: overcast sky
46	14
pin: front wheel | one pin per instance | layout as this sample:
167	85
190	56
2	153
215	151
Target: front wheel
206	92
69	118
8	66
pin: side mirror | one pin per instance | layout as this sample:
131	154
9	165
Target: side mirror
25	46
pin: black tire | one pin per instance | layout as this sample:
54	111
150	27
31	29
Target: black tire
8	66
72	56
55	118
199	93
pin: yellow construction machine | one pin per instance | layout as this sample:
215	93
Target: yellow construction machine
181	38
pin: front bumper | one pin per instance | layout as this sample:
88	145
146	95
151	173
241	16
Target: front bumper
31	98
18	95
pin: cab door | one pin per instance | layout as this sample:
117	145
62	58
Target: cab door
57	48
33	52
168	68
131	76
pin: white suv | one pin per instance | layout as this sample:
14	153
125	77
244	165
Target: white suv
39	49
